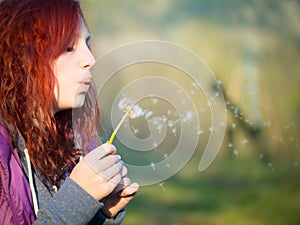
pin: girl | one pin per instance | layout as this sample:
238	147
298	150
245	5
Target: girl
49	119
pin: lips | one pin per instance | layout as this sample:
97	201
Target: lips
84	84
86	81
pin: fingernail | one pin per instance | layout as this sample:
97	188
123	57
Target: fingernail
114	147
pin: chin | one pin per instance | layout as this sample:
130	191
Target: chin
79	101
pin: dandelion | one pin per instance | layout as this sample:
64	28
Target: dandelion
131	109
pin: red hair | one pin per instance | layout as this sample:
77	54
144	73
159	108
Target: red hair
33	33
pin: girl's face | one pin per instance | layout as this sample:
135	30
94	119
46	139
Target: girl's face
72	71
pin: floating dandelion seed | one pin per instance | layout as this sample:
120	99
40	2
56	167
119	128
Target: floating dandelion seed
267	123
290	125
199	131
270	164
164	118
261	156
212	129
222	124
148	114
236	153
189	115
174	131
152	164
154	100
135	130
131	109
162	186
230	145
245	142
196	85
169	112
171	123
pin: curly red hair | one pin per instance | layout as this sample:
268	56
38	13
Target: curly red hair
33	33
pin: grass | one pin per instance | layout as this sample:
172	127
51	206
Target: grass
232	191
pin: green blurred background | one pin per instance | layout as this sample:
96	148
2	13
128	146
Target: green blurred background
253	47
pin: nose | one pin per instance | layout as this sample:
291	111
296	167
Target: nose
87	60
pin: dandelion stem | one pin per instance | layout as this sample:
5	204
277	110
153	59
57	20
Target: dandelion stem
112	137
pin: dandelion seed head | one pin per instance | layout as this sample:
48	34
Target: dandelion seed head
136	112
125	103
128	105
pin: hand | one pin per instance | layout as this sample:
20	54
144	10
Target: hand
118	200
99	172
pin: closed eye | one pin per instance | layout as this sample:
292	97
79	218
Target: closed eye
88	42
70	49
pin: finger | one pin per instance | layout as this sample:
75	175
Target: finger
101	165
114	181
112	171
130	190
100	152
125	181
124	171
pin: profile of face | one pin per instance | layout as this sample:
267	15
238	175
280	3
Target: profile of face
72	71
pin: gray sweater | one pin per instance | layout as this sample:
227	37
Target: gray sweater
71	205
